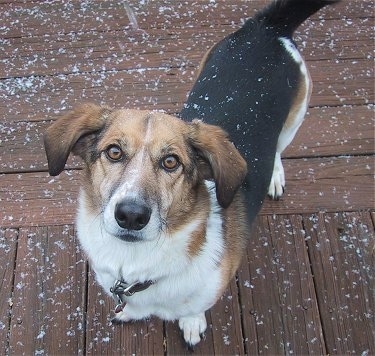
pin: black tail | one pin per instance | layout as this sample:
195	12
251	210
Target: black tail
284	16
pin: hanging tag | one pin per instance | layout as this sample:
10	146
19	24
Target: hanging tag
120	307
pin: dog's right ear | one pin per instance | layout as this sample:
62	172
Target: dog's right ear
63	134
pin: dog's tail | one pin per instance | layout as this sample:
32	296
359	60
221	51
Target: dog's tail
284	16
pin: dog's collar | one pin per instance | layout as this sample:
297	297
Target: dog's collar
122	289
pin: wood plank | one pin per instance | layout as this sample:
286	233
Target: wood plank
326	184
114	49
103	338
153	53
22	149
300	316
322	39
8	247
259	294
33	199
342	260
335	83
49	292
226	324
329	131
338	82
313	185
101	17
280	311
153	89
346	130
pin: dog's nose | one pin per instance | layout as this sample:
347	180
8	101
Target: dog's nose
131	215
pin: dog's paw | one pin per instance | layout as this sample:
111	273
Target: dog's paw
277	185
192	328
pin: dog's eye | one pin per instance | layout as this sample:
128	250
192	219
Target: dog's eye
170	163
114	153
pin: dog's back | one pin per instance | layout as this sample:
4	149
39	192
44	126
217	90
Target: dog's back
248	85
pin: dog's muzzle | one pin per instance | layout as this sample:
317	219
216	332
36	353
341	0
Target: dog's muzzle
131	215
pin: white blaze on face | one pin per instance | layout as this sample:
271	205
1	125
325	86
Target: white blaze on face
132	185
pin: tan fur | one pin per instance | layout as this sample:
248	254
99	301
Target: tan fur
204	60
197	240
236	233
146	137
131	134
304	91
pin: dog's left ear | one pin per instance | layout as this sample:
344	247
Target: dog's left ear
219	160
63	135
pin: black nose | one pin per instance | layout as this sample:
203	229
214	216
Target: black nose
131	215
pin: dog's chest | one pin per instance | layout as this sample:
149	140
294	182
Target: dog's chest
151	260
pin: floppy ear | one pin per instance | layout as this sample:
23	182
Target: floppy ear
220	160
63	134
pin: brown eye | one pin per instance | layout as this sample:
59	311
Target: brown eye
170	163
114	153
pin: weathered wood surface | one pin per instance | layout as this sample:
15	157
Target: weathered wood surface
306	285
48	293
342	256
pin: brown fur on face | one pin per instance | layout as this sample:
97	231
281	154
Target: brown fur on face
204	152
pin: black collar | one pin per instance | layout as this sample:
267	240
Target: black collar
122	289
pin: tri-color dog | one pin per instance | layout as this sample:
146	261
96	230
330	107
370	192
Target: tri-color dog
160	216
150	213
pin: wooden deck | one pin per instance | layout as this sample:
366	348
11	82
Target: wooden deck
306	285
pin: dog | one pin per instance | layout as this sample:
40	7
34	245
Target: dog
161	214
159	209
256	86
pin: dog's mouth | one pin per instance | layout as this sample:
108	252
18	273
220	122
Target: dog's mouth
129	236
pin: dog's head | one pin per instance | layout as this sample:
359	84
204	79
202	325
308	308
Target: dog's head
145	171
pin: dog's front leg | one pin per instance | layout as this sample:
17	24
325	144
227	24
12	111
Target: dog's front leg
192	328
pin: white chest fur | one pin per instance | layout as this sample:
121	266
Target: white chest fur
183	286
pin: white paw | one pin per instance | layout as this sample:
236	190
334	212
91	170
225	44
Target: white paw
192	328
276	187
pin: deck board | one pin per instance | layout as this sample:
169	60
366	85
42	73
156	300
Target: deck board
102	17
342	260
46	293
160	48
8	248
284	304
277	273
306	282
336	82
